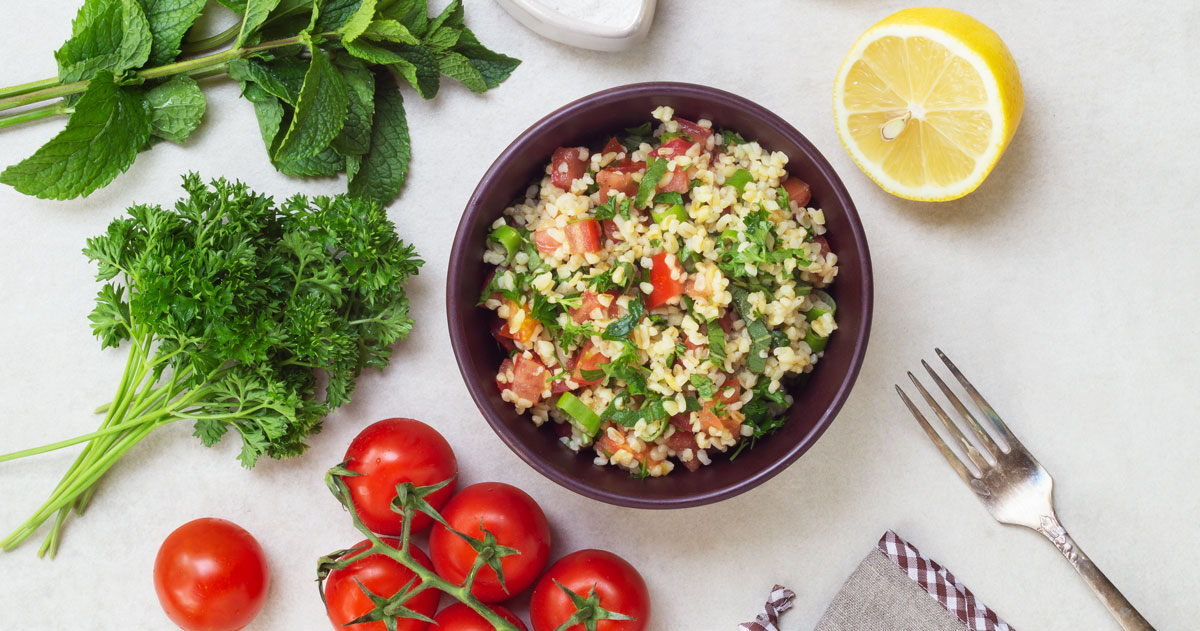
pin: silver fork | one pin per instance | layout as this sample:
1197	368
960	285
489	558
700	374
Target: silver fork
1012	484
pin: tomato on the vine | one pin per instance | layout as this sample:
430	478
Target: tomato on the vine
384	576
516	521
459	617
391	452
211	575
618	588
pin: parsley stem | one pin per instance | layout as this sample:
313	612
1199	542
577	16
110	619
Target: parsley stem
111	429
25	94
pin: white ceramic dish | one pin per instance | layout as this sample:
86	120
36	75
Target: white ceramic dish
554	25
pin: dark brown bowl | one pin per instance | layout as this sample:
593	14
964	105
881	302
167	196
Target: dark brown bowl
590	121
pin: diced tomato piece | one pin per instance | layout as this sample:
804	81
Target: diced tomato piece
607	445
613	146
559	386
506	342
676	181
584	236
729	392
589	358
546	243
726	322
690	345
529	377
693	464
700	284
627	166
613	180
697	133
708	419
590	303
524	331
682	423
798	191
676	146
611	232
568	165
667	277
823	243
506	367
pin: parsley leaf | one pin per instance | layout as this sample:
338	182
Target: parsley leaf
703	385
654	172
623	326
635	136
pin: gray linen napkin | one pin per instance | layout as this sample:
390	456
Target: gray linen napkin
896	588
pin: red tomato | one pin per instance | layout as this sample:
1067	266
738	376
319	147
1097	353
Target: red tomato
525	330
613	146
459	617
546	244
211	575
612	180
675	182
516	521
695	131
674	147
823	242
798	191
667	277
590	303
589	358
529	377
498	328
618	585
391	452
384	576
567	166
584	236
627	166
506	368
611	231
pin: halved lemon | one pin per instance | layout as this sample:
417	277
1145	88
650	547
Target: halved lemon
926	102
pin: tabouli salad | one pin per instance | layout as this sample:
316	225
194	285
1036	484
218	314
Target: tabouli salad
656	296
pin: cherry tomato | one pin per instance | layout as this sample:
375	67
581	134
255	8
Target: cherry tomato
384	576
619	587
391	452
516	521
211	575
459	617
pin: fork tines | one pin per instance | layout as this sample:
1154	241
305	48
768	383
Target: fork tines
981	458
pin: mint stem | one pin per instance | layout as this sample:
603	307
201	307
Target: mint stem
45	111
198	66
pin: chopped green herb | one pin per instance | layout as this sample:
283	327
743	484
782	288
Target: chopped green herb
654	172
703	385
760	345
716	343
668	198
613	207
623	326
675	134
739	180
732	138
635	136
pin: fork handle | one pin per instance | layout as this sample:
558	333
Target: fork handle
1117	604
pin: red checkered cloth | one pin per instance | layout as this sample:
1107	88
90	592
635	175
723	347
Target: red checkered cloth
941	585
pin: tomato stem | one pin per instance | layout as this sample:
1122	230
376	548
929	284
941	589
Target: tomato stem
403	556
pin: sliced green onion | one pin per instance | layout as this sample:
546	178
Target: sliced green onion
660	214
815	342
579	414
739	180
823	303
508	237
730	235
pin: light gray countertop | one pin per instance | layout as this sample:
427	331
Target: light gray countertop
1067	287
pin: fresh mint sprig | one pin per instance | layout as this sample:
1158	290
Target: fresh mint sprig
321	74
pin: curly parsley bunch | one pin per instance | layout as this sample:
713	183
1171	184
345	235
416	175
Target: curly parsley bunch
230	306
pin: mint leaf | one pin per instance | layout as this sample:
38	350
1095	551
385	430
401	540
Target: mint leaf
267	109
106	35
494	67
103	136
654	173
238	6
358	21
355	137
413	14
175	108
382	171
459	68
442	39
390	31
255	14
169	20
282	78
373	53
420	70
333	14
326	163
320	110
451	16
